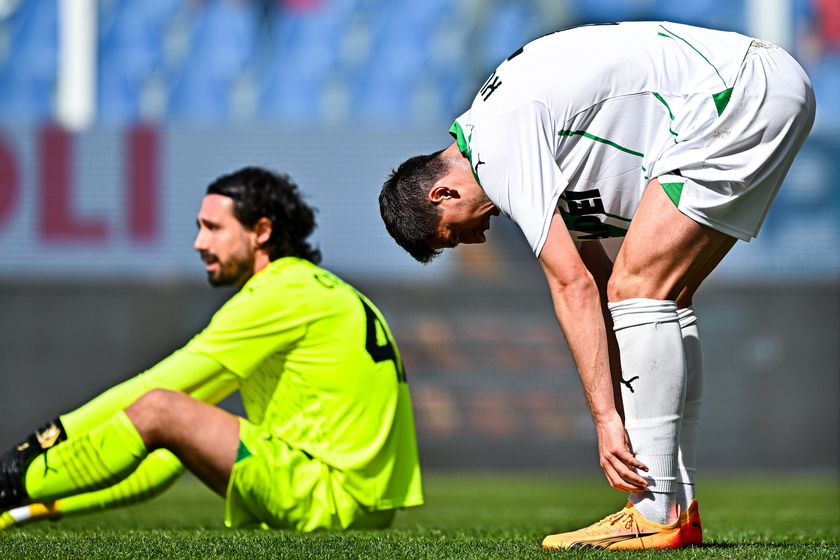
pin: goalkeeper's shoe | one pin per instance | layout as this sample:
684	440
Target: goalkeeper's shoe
12	491
13	463
32	512
690	526
626	529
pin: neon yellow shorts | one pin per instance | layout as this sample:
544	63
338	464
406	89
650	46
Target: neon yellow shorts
279	486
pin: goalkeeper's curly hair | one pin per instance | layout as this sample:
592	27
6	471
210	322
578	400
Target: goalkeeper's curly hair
259	193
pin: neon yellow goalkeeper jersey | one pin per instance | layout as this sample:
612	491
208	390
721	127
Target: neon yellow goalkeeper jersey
318	367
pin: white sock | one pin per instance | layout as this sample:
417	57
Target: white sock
690	427
684	495
653	391
657	507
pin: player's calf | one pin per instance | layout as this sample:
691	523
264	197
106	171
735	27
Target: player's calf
13	463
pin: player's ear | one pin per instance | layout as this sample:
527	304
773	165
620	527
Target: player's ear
263	230
440	192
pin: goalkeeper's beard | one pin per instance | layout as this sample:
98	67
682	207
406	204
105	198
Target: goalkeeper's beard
234	271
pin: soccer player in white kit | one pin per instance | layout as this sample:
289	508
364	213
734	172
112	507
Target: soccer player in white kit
676	138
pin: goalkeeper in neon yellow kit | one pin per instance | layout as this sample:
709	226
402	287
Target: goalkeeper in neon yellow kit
329	440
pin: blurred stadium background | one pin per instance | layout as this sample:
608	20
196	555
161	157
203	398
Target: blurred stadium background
115	115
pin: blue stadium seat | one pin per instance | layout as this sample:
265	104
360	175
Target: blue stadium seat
383	91
805	11
825	77
28	77
606	11
301	55
716	14
222	39
131	40
509	25
400	55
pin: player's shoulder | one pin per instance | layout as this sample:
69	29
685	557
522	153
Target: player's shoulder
292	273
307	282
288	291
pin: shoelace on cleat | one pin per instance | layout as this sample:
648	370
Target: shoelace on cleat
629	522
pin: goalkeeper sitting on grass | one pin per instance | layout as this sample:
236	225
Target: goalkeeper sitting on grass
329	439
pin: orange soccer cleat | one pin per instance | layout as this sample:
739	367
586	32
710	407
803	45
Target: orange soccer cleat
690	526
626	529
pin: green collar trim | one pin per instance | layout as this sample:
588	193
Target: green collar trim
458	133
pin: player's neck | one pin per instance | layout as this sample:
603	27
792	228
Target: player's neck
261	261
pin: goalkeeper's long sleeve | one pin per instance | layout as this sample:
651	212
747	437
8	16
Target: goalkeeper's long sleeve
186	371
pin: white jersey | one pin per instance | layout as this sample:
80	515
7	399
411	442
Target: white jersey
584	118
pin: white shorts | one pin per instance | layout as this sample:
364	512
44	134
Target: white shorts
741	160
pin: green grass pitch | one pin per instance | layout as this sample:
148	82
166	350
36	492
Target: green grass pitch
466	516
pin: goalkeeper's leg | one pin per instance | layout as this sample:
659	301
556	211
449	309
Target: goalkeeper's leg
156	474
203	437
200	377
186	371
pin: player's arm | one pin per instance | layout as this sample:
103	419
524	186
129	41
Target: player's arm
186	371
577	303
600	265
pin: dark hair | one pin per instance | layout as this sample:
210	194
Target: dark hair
409	216
259	193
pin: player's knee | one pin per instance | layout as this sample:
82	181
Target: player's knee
627	284
151	412
157	400
624	285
